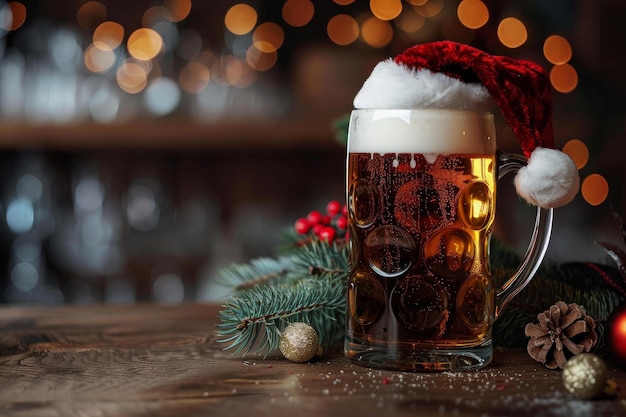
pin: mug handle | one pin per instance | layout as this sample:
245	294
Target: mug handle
538	245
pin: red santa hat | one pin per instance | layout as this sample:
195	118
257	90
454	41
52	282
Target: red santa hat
456	76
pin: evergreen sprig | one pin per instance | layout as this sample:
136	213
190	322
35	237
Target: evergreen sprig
308	286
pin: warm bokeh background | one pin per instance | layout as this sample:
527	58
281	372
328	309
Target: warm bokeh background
145	145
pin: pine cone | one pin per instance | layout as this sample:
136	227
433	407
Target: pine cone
563	331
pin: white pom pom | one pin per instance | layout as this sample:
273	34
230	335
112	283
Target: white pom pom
550	179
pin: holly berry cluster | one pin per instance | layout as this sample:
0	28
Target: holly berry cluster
328	227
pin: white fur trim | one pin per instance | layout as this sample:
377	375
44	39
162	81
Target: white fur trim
549	180
394	86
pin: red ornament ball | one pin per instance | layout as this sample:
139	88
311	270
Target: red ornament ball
616	336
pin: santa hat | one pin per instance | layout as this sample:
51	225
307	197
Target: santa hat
456	76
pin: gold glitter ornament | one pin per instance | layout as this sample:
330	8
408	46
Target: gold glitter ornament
299	342
585	376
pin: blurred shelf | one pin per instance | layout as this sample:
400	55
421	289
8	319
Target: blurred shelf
160	135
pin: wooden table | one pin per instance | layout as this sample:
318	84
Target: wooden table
150	360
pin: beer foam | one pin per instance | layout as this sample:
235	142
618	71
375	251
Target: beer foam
425	131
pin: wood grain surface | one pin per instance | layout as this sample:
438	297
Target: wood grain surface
150	360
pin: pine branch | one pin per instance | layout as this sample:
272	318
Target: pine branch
254	319
617	255
307	286
323	260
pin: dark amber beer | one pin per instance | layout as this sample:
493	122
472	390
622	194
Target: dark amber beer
421	188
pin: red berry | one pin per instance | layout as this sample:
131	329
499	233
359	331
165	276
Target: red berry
326	220
314	217
344	210
302	226
327	234
333	208
341	223
317	228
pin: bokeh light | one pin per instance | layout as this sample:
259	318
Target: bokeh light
144	44
26	248
386	9
268	37
168	285
29	187
564	78
108	33
104	103
12	16
89	195
20	215
594	189
430	8
298	13
376	33
64	48
240	19
194	77
578	151
142	211
342	29
512	32
473	14
91	14
409	21
132	77
162	96
153	15
177	10
259	60
237	72
557	50
99	59
24	276
344	2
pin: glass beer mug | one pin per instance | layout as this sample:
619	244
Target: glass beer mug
421	188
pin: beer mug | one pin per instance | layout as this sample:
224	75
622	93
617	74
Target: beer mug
421	192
